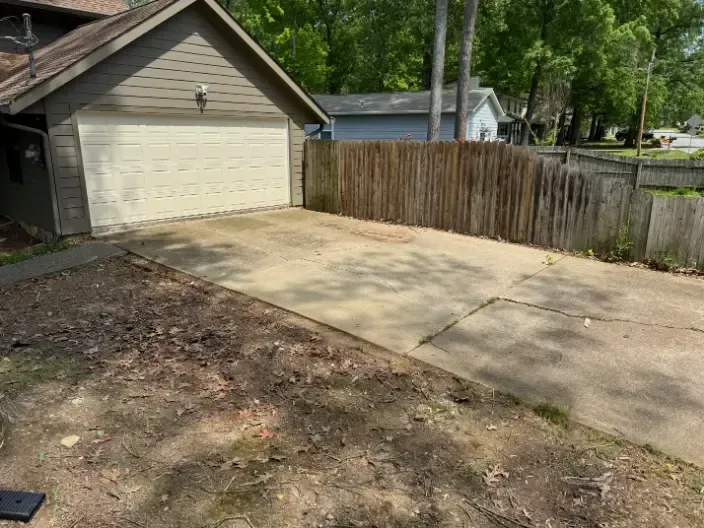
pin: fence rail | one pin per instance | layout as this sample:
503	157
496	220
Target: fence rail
498	190
631	171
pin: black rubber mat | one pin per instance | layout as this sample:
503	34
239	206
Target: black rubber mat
19	505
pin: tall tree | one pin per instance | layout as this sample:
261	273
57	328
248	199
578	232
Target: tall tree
464	68
437	79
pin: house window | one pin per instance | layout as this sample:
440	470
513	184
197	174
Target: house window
326	134
502	130
13	157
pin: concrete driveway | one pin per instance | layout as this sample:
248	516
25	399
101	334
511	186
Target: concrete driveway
492	312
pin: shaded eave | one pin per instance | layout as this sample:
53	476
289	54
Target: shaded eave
38	92
90	15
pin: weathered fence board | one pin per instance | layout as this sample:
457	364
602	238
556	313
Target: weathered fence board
641	208
654	173
499	190
322	183
490	189
675	232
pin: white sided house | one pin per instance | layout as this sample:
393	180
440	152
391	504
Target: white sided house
404	116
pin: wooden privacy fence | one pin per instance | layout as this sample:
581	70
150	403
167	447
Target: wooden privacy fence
631	171
496	190
491	189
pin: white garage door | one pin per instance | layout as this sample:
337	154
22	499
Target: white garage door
144	168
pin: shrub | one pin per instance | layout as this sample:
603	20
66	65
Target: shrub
698	155
623	246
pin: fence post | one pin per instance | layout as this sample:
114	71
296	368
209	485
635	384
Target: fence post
639	173
567	156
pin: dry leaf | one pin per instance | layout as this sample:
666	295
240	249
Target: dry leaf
491	427
102	439
234	463
70	441
491	476
587	322
264	434
111	474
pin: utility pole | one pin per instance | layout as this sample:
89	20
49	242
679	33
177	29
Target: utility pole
639	136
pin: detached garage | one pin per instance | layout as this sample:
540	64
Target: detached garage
165	111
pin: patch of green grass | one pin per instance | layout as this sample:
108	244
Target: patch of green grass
607	143
696	483
687	192
469	474
425	339
512	398
22	371
653	153
14	257
553	413
248	447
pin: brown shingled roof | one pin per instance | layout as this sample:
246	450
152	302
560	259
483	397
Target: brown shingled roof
55	57
103	7
9	61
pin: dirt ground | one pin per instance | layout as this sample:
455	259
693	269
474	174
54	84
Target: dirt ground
198	407
13	237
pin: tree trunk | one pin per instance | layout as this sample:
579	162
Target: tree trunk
532	99
561	129
576	126
465	68
427	68
630	138
438	71
593	127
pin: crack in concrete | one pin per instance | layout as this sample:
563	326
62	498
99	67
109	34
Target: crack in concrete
600	319
429	338
483	305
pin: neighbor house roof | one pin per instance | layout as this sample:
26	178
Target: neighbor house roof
100	7
695	120
400	102
70	55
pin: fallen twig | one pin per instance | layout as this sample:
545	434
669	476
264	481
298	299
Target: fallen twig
129	450
233	518
230	483
497	517
133	522
341	461
75	523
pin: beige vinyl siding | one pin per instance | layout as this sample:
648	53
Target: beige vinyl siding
157	75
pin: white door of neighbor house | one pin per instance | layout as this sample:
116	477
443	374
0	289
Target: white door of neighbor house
143	168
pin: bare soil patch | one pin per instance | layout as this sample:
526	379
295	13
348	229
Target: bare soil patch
13	237
198	407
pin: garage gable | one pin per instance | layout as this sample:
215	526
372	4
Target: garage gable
155	78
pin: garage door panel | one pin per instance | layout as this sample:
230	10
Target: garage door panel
157	151
143	168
